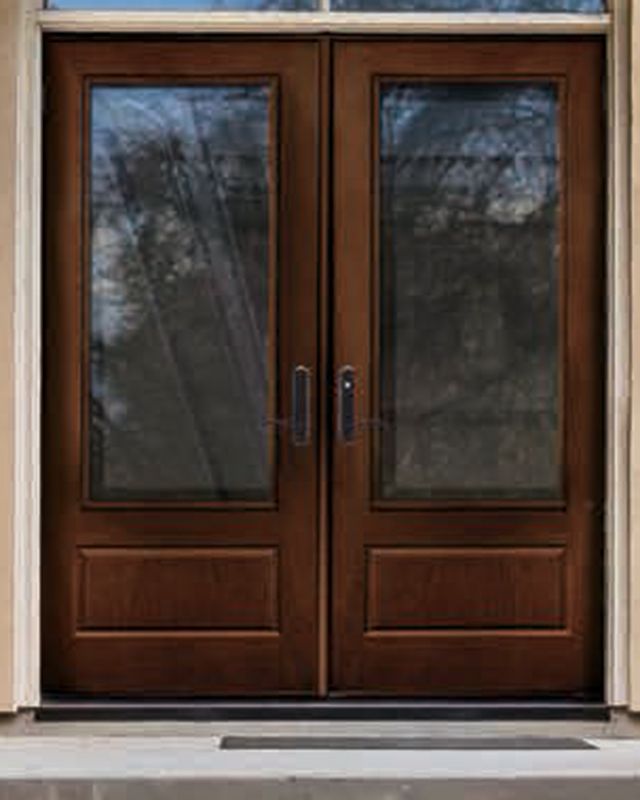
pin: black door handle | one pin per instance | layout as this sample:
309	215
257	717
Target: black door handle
346	390
301	406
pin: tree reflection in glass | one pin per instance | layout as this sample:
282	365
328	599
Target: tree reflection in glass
469	300
179	292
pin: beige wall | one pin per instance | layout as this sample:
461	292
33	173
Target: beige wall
635	362
8	42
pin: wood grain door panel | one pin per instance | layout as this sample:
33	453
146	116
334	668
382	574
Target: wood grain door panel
193	545
180	518
467	505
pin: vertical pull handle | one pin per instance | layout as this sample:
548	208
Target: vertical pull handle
301	406
346	403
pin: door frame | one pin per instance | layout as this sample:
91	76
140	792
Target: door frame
27	319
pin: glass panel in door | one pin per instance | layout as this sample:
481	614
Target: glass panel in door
470	270
181	300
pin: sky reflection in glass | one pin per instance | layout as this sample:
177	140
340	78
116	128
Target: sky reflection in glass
185	5
533	6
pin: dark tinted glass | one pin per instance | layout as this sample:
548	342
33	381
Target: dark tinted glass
469	291
180	371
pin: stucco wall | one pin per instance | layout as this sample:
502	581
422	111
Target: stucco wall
635	361
8	42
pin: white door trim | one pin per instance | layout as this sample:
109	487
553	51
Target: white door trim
617	527
28	363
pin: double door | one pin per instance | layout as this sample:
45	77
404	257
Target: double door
323	379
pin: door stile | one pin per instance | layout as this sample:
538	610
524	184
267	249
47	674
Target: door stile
324	383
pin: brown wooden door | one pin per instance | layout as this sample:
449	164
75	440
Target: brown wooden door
180	517
467	485
192	498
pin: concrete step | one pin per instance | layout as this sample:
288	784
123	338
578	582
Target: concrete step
195	768
315	789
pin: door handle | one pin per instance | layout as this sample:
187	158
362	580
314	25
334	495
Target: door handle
347	423
300	406
299	422
346	391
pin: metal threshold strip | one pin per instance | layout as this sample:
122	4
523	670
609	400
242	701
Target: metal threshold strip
64	709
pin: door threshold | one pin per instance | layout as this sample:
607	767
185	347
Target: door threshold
91	710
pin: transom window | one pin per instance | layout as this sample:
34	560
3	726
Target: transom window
493	6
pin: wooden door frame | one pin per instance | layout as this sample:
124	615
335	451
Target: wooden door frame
25	640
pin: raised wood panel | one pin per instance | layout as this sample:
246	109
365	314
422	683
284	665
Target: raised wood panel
470	588
174	589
